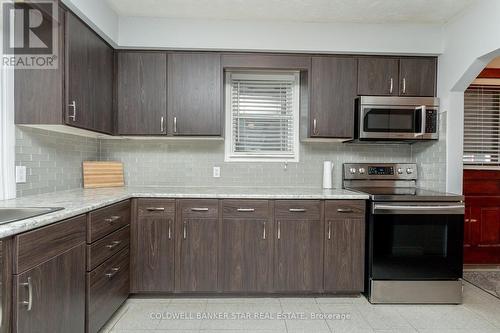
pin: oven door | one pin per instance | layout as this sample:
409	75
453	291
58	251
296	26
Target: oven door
392	122
416	241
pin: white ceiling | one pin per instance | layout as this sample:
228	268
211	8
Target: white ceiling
367	11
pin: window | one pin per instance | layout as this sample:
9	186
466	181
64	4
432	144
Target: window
262	116
482	126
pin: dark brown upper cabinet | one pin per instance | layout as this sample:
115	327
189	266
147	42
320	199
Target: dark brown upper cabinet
141	79
417	76
197	234
152	247
194	94
89	78
344	246
246	256
298	246
84	73
333	91
378	76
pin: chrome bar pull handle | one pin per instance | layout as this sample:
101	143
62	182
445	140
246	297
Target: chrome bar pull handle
391	88
162	124
112	219
29	302
175	124
297	210
114	271
247	210
169	229
184	230
155	209
279	230
73	106
315	127
404	85
264	231
196	209
329	229
113	244
344	210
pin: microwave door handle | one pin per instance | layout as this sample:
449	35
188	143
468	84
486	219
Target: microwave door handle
423	120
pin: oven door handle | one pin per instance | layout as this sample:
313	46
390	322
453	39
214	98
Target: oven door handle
454	209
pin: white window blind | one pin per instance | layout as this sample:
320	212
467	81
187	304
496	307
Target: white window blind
262	116
482	126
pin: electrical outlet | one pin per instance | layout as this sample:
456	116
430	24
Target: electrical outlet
20	174
216	172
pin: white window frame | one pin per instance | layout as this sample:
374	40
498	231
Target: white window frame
229	156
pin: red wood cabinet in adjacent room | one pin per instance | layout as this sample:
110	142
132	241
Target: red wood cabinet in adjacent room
482	217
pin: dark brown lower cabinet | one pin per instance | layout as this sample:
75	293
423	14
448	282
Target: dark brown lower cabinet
50	297
298	246
344	246
107	288
246	256
197	245
153	246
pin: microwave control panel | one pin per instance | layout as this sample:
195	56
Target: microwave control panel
431	121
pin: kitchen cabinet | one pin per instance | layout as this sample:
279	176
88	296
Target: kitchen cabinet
391	76
333	91
197	234
246	256
49	280
51	296
153	246
298	246
89	78
378	76
417	76
141	79
344	246
6	250
194	96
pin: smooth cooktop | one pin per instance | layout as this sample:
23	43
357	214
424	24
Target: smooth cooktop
406	194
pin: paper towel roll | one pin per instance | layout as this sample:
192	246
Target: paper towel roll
327	174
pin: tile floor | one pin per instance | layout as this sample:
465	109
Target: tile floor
480	313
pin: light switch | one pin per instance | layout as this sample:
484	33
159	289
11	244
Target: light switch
20	174
216	172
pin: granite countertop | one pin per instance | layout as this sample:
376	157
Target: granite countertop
81	201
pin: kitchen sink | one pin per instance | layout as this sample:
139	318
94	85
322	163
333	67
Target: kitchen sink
8	215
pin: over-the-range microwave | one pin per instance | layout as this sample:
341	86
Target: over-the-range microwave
384	118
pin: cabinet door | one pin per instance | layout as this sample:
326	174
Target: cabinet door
246	246
56	289
378	76
197	246
142	93
101	83
333	90
344	246
417	76
89	78
153	246
194	94
78	73
299	249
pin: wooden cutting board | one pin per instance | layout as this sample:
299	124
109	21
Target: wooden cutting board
102	174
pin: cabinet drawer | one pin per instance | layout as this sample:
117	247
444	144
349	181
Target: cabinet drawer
345	208
34	247
245	209
104	248
202	208
104	221
155	207
107	289
298	209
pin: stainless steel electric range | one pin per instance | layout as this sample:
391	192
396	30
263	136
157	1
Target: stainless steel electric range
414	236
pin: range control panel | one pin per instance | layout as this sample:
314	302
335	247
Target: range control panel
373	171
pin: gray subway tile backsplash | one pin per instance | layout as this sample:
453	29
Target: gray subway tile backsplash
53	162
